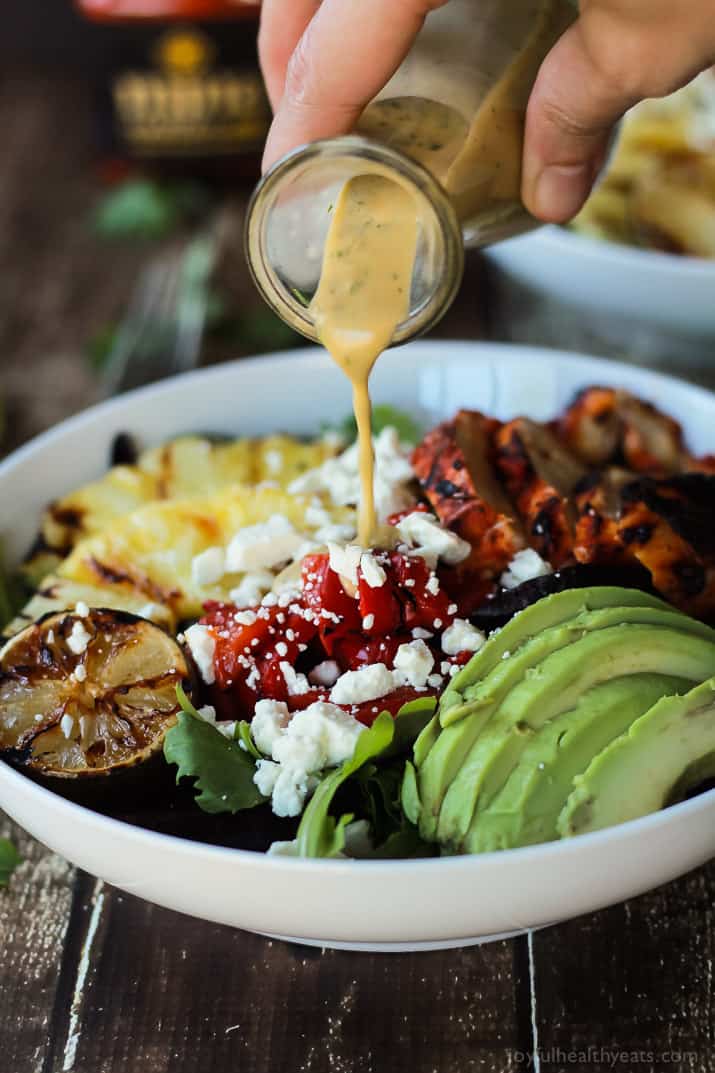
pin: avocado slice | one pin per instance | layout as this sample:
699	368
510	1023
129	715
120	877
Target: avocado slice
527	807
550	611
666	753
439	760
552	688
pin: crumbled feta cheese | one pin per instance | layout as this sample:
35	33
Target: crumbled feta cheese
413	664
257	547
525	565
434	681
339	477
282	649
320	736
274	461
345	561
266	776
207	713
367	683
270	718
316	515
325	673
445	666
252	588
227	727
461	636
368	622
208	567
338	534
245	618
78	639
82	609
297	684
202	646
430	541
371	571
421	635
80	673
67	725
432	585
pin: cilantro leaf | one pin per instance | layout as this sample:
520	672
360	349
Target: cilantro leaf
222	769
9	860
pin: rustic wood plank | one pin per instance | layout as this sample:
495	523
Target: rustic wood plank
166	992
634	978
34	917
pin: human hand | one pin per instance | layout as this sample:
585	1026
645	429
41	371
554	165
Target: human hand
323	62
617	53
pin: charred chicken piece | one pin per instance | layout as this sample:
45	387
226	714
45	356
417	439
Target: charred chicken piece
652	441
598	504
540	476
667	525
453	465
591	426
605	425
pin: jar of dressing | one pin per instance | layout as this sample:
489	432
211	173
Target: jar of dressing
446	132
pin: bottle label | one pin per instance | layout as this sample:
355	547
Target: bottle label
186	102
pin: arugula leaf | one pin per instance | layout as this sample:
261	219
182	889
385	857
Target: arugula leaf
404	842
410	795
243	733
384	416
318	834
222	769
9	860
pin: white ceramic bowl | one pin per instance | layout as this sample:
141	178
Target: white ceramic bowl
370	905
655	289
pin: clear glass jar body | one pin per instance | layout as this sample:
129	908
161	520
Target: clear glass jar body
449	126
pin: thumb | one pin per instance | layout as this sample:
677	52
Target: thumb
572	109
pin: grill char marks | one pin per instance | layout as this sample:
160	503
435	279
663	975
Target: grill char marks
454	467
540	475
598	503
667	526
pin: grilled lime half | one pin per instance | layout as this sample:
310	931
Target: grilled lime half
84	694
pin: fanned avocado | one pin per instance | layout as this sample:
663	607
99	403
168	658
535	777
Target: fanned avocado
512	656
526	809
666	753
553	687
532	621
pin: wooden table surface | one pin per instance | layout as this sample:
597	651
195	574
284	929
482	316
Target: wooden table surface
96	981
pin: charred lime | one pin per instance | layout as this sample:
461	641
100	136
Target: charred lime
87	693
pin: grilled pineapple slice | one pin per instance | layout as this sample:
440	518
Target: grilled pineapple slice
182	469
143	563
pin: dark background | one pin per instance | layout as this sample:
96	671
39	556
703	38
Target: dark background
165	993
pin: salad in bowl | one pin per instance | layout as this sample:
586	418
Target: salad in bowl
523	655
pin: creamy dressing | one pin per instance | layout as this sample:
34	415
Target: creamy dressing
364	293
473	148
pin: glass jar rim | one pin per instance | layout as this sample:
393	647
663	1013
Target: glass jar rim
411	174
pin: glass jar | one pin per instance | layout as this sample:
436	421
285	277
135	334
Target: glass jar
449	127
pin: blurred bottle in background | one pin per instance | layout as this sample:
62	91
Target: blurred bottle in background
180	90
